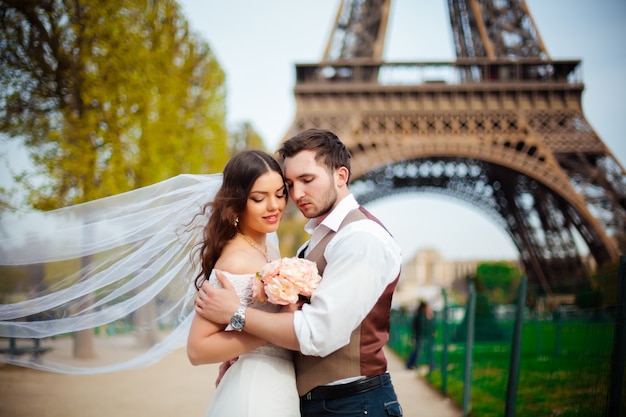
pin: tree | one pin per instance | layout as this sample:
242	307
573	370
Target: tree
108	96
245	137
499	280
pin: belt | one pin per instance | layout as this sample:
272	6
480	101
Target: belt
332	392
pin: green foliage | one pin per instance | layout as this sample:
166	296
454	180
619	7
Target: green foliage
499	280
12	279
108	96
245	137
291	231
606	283
588	299
495	283
5	199
486	327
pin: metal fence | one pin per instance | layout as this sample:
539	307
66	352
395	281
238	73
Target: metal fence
508	360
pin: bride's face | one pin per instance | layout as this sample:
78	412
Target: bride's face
265	205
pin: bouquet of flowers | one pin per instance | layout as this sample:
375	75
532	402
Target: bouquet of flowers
284	280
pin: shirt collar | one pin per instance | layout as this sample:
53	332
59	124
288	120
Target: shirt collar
335	217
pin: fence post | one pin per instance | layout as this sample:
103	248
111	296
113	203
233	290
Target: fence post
516	348
445	342
538	335
618	358
469	345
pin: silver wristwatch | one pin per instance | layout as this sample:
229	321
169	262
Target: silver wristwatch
238	320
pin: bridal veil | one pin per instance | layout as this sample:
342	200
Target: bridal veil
119	268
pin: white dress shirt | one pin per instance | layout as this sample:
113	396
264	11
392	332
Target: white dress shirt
362	260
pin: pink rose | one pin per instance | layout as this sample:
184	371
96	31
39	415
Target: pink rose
258	291
280	291
284	280
303	273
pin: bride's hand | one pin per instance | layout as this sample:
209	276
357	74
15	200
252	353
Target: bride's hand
224	366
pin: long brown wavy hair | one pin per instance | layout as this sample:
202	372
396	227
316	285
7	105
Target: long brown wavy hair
239	176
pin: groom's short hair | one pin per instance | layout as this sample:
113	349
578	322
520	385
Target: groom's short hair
329	149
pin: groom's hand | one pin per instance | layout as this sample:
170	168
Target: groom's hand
217	304
224	366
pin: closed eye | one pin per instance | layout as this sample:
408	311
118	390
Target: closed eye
282	192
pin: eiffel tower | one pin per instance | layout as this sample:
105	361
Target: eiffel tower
500	128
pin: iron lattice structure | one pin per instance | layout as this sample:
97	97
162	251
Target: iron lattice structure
501	128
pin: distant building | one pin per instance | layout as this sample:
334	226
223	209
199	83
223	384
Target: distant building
426	273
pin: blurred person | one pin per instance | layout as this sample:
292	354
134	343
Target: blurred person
422	328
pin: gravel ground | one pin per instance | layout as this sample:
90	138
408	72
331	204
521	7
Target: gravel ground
169	388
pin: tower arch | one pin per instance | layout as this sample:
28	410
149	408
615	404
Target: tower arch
504	110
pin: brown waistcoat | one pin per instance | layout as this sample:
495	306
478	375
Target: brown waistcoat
363	355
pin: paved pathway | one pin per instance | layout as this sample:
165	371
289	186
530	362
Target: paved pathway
416	396
171	387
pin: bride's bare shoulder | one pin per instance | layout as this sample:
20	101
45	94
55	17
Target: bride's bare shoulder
237	260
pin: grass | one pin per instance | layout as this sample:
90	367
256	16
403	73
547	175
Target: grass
564	369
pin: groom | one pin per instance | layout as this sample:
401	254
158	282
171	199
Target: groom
340	335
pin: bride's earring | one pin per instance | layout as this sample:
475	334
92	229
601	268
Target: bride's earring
236	222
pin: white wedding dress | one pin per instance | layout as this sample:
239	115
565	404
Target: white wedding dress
262	383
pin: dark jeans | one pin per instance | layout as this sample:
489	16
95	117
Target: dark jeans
379	402
421	346
414	355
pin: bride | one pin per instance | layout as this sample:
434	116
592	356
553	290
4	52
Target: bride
120	266
245	210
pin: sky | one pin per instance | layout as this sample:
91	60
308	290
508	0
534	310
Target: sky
258	43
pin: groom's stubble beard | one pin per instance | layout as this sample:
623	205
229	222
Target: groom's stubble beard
329	202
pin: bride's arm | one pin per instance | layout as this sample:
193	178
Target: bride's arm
208	343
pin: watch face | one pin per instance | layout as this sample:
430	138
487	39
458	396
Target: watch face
237	322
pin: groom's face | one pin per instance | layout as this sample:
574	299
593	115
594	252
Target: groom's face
311	186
